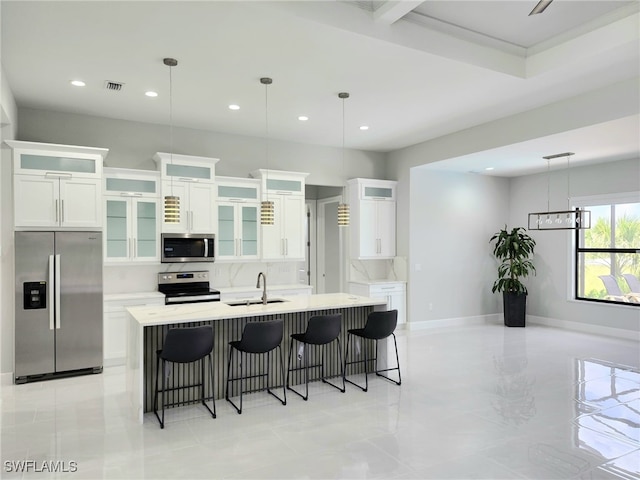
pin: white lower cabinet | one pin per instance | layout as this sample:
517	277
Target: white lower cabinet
115	322
393	292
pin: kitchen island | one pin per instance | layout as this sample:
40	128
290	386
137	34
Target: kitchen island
148	325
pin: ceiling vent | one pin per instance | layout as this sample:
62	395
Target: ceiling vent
115	86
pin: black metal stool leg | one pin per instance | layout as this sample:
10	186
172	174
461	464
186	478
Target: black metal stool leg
366	361
239	410
164	378
324	380
213	413
306	369
155	397
242	359
284	390
399	381
289	363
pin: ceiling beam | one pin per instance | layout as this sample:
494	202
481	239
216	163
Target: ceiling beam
391	11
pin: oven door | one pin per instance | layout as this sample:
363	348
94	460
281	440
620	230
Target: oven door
184	247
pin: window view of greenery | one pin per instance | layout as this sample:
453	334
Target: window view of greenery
608	254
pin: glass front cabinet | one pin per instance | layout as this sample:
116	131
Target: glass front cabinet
57	186
238	218
132	212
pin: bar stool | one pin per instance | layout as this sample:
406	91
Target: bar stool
257	338
379	326
321	330
185	345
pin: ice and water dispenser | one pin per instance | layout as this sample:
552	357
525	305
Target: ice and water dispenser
35	295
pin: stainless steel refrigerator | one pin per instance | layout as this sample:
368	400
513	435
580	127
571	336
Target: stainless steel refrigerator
58	304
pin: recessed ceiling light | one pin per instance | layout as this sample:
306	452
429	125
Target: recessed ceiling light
151	94
364	127
303	118
489	169
78	83
234	107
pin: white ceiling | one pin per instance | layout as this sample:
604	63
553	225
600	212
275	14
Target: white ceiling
615	140
415	70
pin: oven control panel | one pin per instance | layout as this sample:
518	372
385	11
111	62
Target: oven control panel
182	277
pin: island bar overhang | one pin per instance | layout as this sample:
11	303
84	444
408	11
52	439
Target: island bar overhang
148	324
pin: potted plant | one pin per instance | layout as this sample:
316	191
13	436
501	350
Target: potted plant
513	249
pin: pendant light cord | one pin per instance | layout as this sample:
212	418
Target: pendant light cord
171	121
266	132
343	136
548	183
568	184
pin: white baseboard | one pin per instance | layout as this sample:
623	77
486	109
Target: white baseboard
497	318
455	322
585	327
114	361
6	379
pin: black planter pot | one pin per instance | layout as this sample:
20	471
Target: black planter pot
515	306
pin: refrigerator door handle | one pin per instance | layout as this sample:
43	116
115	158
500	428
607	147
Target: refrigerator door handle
57	290
50	293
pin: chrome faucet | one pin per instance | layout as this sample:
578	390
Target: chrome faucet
264	287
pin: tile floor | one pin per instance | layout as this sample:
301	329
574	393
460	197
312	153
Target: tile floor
476	402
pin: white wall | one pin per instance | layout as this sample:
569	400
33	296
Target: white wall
132	145
8	119
605	104
550	289
452	218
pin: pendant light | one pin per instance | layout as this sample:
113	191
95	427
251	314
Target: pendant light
266	207
569	219
171	202
343	208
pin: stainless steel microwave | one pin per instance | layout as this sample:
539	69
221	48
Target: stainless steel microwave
188	247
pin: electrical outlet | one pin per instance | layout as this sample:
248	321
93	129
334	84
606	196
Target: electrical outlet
431	306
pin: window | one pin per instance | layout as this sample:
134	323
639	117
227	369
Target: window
607	256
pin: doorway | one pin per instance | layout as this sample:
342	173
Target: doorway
330	270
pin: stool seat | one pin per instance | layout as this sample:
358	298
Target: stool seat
185	345
321	331
379	325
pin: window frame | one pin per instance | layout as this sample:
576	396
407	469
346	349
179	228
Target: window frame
598	200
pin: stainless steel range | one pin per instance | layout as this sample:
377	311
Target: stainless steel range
186	287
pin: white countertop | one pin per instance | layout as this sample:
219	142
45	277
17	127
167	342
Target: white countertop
376	282
197	312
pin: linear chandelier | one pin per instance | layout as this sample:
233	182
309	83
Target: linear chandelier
569	219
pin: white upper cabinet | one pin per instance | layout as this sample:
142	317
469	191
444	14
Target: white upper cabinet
373	218
132	213
238	218
285	239
191	179
57	186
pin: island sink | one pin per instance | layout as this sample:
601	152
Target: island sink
239	303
